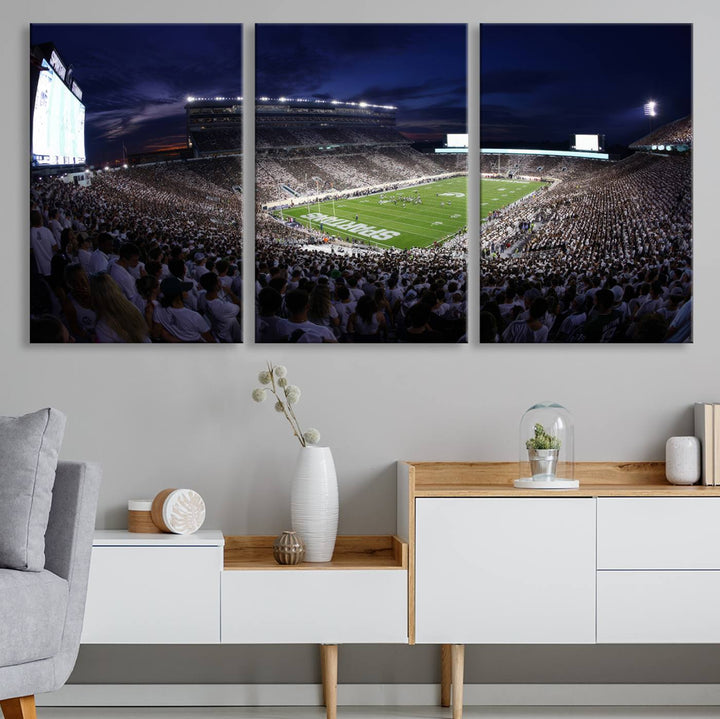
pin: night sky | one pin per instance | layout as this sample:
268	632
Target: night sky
421	69
136	78
541	84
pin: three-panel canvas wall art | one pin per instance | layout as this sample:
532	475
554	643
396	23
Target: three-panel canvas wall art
361	203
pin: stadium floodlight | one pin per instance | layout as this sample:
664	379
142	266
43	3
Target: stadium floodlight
282	99
363	104
650	108
125	167
107	167
190	98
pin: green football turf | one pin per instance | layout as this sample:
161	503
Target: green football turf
495	194
442	213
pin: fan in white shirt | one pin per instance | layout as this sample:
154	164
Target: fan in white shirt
180	323
223	310
120	271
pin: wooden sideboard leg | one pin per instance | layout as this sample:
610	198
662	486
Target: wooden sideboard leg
458	671
19	708
322	673
446	675
329	662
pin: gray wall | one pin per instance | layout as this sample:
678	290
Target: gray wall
182	416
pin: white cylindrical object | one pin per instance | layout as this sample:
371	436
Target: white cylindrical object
314	503
139	505
682	460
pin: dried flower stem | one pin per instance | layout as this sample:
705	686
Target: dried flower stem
286	408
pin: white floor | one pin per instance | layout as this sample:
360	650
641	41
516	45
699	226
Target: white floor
385	712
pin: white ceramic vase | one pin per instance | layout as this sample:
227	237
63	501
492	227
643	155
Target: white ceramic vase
314	503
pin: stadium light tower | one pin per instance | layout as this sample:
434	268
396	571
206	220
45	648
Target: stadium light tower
650	110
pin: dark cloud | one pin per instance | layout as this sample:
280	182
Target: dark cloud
515	81
414	67
547	81
430	88
135	78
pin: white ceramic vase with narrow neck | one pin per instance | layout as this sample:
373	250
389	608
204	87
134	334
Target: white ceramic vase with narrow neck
314	502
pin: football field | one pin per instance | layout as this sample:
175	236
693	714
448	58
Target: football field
411	217
495	194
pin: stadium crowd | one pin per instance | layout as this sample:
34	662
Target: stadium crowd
679	132
145	254
349	169
604	256
309	292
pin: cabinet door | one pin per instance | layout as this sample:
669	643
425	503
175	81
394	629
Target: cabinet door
658	607
289	606
658	532
153	595
498	570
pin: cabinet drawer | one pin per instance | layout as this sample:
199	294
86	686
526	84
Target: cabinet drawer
497	571
658	532
153	595
290	606
658	607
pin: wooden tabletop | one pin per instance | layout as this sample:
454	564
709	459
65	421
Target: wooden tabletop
351	552
597	479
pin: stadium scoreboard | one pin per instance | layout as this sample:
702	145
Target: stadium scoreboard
58	116
457	140
589	143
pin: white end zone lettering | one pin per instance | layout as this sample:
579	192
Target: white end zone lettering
359	228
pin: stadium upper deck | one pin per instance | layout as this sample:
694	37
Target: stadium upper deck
214	125
674	136
287	123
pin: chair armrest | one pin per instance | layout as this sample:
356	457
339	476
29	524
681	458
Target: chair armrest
68	546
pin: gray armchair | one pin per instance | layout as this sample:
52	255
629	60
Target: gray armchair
41	613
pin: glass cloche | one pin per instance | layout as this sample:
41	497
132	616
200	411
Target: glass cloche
547	448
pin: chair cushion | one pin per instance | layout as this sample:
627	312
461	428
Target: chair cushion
32	615
29	447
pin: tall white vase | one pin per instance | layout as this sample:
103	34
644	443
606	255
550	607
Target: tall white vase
314	502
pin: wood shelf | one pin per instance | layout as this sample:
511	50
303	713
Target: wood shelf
597	479
351	552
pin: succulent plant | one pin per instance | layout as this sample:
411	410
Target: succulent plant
542	440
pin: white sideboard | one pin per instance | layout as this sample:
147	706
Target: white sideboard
627	558
204	588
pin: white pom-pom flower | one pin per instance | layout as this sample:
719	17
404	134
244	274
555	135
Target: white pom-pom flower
264	377
311	436
282	382
279	406
258	394
292	393
280	371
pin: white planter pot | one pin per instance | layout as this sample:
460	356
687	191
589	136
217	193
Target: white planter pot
314	503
